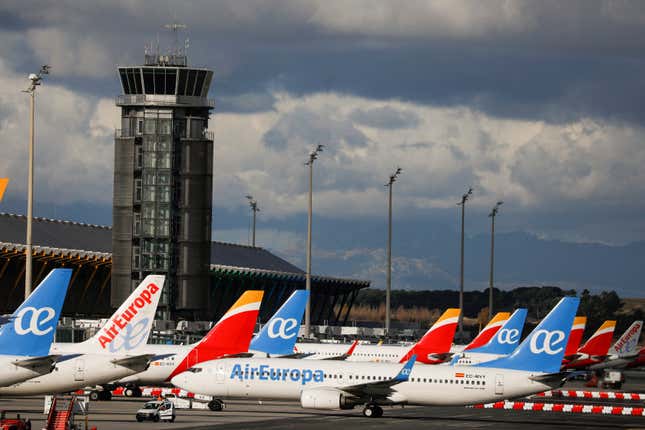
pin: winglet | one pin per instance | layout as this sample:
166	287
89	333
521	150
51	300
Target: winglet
351	349
404	373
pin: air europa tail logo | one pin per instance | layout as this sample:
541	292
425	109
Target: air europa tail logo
121	321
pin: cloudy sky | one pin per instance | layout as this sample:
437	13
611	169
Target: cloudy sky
539	104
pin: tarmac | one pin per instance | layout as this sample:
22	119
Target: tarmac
242	414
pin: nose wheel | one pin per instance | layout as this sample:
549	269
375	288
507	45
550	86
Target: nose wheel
372	411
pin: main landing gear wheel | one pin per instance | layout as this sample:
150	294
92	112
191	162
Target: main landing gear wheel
372	411
216	405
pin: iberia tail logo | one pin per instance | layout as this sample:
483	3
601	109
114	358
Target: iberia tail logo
489	331
575	337
437	340
600	341
231	335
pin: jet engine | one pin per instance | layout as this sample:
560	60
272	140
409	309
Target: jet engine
326	398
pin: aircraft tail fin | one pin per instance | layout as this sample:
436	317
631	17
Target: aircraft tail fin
489	331
279	334
575	337
543	348
129	327
437	340
626	345
600	341
508	337
31	328
229	336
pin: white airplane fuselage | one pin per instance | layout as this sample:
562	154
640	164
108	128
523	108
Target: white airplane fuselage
286	379
471	358
73	374
11	373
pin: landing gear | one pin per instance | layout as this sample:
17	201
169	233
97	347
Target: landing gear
216	405
372	411
100	395
132	392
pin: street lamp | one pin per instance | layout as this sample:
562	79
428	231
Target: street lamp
492	215
31	90
313	155
388	281
254	207
462	203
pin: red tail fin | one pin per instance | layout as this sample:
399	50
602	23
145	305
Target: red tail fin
575	337
489	331
437	340
600	341
231	335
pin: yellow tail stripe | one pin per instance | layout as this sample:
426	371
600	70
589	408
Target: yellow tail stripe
3	186
249	296
449	313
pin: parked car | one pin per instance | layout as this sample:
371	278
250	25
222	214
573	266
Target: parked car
157	410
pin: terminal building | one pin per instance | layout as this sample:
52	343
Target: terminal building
163	162
87	249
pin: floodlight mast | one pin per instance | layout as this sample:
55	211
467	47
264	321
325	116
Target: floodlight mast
462	203
492	215
388	279
255	209
313	155
35	79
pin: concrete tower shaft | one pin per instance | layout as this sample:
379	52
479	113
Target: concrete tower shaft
163	183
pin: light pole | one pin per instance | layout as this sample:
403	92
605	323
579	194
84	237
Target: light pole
31	90
464	199
312	157
492	215
254	207
388	279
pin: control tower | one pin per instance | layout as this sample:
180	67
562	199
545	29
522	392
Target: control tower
163	161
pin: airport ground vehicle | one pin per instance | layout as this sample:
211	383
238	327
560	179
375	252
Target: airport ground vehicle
612	379
16	423
157	410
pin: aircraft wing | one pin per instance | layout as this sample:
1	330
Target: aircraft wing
344	356
34	362
381	388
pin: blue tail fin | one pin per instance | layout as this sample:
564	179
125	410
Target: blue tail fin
32	326
543	349
508	337
279	335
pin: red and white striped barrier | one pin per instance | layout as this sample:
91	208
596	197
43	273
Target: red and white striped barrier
156	392
573	394
563	407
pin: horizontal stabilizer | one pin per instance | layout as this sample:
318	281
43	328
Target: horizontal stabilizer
134	361
33	362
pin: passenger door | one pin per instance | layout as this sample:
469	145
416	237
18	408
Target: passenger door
499	383
79	369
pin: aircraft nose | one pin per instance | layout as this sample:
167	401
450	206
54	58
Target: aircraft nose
180	380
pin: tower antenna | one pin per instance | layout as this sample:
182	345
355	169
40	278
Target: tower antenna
175	27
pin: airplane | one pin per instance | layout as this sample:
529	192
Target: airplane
27	336
532	368
575	338
111	354
595	349
432	348
503	343
624	351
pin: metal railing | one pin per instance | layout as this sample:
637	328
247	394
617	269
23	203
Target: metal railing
162	100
